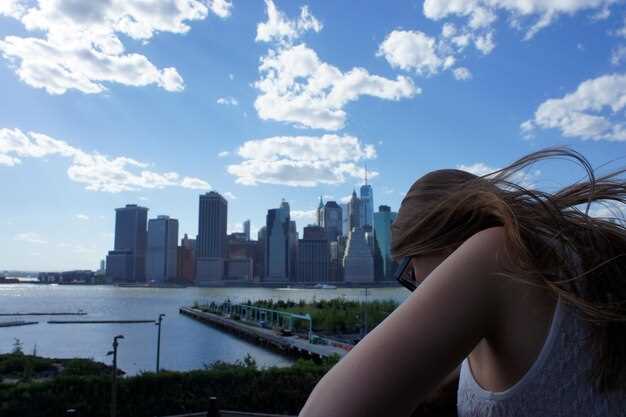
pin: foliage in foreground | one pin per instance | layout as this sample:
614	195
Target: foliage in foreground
241	386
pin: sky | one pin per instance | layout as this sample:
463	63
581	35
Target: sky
106	103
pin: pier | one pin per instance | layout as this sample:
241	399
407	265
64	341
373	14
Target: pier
292	345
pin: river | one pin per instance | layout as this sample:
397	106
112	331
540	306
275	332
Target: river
185	343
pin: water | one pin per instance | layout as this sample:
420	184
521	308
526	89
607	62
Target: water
185	343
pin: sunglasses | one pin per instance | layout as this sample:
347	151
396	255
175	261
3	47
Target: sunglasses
405	274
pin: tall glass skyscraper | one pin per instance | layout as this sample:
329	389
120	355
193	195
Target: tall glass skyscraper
277	247
127	261
211	242
161	260
358	262
331	219
382	232
367	205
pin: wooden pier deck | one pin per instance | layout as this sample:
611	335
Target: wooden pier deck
288	344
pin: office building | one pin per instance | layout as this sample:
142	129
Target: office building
238	270
354	212
313	256
331	219
293	251
345	219
277	245
382	232
319	212
246	229
259	255
358	262
162	256
367	204
127	261
186	263
211	244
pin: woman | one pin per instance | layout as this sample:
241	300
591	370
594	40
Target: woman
519	288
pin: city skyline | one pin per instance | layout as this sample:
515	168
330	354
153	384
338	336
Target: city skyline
267	100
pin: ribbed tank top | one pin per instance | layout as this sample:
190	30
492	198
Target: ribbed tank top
555	385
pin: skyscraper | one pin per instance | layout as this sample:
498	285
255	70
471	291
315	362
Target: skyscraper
367	203
313	256
319	213
354	212
127	261
358	262
186	264
277	248
211	242
382	232
345	219
161	259
246	229
331	220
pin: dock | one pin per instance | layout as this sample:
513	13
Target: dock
292	345
98	321
17	323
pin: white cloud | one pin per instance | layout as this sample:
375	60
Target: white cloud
301	160
303	214
231	76
228	101
297	87
594	111
610	210
223	154
81	216
525	178
30	237
484	43
279	28
345	199
462	73
81	48
482	14
229	195
618	55
98	172
412	50
621	32
221	8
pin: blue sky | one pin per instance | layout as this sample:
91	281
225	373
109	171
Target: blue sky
108	103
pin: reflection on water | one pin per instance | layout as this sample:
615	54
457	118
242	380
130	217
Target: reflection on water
185	344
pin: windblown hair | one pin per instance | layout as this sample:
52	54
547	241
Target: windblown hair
551	240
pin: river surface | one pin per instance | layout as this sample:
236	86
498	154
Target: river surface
185	343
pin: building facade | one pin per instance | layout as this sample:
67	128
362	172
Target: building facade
331	219
313	256
277	248
358	262
211	244
186	264
367	205
246	229
128	258
382	232
354	212
162	253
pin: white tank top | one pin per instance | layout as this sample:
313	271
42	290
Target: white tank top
555	385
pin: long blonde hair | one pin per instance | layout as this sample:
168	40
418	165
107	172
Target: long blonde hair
551	240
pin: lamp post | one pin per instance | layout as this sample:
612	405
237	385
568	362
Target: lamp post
114	383
158	356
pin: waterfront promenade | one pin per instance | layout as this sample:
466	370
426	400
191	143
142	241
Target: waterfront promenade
289	344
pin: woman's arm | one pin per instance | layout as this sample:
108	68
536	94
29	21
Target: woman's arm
403	359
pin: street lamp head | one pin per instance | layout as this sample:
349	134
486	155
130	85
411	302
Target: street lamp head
109	353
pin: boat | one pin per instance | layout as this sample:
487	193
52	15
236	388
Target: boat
324	287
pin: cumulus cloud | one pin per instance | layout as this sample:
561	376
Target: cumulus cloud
81	216
412	50
462	73
594	111
223	154
481	14
229	195
618	55
301	160
30	237
297	87
98	172
228	101
608	210
279	28
81	49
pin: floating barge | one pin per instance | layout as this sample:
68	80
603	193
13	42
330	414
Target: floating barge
17	323
291	345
